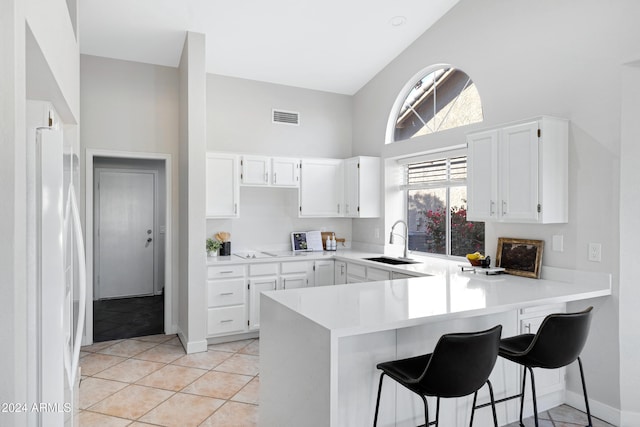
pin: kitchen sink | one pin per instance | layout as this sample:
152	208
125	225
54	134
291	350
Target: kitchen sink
392	261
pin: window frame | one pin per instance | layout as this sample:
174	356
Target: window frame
447	185
402	96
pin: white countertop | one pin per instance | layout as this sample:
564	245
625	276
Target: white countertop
448	293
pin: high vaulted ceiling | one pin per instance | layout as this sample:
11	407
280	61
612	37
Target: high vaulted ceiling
329	45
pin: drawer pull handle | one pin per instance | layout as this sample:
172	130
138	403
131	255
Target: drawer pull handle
226	321
226	293
226	272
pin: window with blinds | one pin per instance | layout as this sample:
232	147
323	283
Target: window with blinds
436	195
436	173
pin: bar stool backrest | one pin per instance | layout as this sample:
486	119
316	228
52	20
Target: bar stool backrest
461	363
559	340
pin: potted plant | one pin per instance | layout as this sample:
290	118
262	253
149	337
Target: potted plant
212	246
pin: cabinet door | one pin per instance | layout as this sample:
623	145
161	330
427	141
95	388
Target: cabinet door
351	187
256	287
375	274
323	273
340	276
222	187
293	281
255	170
285	172
321	188
518	165
482	176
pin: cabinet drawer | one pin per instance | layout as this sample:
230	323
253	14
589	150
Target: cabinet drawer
294	267
263	269
226	320
356	270
226	292
222	272
377	274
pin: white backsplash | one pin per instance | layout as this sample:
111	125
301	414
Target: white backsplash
268	216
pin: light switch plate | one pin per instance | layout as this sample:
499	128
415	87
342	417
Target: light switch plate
557	243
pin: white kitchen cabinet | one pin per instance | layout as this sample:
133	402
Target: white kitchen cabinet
340	273
257	285
255	170
262	277
285	172
321	188
375	274
362	187
323	274
262	171
222	185
226	300
295	274
519	173
356	273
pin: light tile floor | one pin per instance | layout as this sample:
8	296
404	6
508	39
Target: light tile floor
150	381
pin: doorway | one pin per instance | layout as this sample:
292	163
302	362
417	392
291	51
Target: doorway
128	217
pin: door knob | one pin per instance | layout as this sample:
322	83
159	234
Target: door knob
149	231
149	240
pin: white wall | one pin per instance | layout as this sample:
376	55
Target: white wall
132	107
239	121
193	130
629	234
528	59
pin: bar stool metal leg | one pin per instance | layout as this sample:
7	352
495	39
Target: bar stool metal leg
524	382
493	404
584	390
535	402
375	418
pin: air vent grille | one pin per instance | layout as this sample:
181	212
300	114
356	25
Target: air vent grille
286	117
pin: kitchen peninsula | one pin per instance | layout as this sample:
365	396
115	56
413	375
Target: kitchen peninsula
319	346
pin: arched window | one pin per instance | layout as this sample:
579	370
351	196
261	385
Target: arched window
442	97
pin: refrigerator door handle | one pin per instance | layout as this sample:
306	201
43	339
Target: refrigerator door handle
73	360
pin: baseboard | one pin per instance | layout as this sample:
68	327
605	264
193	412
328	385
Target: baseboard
236	337
192	346
600	410
630	419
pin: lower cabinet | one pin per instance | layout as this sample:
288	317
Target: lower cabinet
226	300
256	287
323	272
294	274
340	273
356	273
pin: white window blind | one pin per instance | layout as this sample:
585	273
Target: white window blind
436	173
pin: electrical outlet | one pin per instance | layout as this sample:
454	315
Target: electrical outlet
595	252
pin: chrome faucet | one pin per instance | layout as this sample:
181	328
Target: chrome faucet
405	237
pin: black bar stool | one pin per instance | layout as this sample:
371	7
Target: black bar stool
459	365
558	342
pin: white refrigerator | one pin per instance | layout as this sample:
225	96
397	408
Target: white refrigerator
57	275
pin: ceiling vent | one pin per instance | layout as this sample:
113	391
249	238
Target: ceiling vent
286	117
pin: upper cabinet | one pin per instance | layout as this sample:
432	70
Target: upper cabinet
269	171
519	172
321	188
222	186
328	188
285	172
362	187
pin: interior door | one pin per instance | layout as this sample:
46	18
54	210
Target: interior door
125	233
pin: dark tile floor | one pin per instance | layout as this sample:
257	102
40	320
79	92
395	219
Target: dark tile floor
127	318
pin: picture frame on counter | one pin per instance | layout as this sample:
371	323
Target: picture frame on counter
520	257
